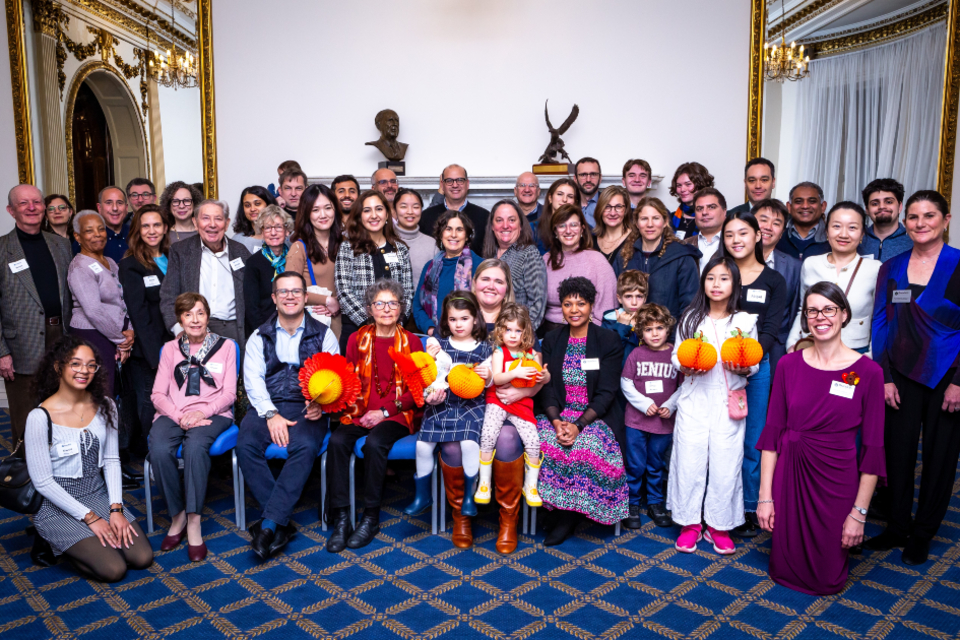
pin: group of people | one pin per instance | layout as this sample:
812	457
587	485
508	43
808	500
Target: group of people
578	314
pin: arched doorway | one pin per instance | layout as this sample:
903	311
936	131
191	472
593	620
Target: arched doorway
92	149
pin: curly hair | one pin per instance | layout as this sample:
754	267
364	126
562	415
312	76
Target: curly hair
441	224
698	174
633	280
463	301
627	251
171	191
651	313
47	381
578	286
513	312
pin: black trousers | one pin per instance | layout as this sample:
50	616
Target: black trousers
920	412
379	441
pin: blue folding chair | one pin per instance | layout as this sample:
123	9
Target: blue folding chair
276	452
403	449
226	441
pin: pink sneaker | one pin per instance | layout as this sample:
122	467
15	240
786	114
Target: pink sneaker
690	535
721	541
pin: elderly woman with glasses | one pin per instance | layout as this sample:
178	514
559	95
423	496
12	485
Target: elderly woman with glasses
274	224
385	412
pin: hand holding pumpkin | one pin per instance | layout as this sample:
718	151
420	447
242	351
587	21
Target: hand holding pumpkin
483	370
435	397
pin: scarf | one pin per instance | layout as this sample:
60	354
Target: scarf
278	262
191	369
462	281
366	335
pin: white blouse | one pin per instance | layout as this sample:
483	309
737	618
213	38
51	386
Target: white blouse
856	334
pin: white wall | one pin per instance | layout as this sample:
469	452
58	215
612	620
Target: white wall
664	80
9	174
180	123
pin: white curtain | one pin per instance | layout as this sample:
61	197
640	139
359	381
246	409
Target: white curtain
872	114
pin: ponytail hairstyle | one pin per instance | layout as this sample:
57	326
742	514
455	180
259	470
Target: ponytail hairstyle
694	314
463	301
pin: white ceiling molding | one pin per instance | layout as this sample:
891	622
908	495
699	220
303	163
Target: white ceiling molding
817	20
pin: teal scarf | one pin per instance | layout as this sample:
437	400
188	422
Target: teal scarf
278	262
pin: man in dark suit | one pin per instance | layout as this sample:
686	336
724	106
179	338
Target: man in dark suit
211	264
35	300
772	216
455	186
758	178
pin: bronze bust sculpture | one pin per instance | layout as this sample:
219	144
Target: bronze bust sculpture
555	151
388	123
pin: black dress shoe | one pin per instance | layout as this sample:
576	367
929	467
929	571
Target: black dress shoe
129	478
885	541
41	553
633	521
342	530
659	515
261	543
367	530
749	528
281	538
916	551
563	529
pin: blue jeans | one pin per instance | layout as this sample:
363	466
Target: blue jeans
645	458
758	397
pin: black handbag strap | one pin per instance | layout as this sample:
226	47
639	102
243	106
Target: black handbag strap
49	426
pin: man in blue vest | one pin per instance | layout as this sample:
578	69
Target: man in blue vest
274	354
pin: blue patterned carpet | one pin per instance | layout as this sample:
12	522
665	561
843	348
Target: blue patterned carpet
410	584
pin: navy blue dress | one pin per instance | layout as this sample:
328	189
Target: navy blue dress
457	419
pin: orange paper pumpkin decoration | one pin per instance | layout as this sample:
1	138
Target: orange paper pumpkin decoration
743	351
696	353
330	381
464	382
520	383
418	370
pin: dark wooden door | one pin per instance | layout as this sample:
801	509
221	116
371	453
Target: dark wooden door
92	149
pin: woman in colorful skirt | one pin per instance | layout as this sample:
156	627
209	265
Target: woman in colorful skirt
582	432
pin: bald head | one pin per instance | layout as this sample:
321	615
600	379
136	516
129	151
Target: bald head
25	204
527	192
385	181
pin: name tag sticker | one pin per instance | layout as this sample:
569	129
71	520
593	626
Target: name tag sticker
757	295
236	263
838	388
65	449
215	367
19	265
391	258
653	386
96	268
590	364
680	234
902	296
151	281
324	291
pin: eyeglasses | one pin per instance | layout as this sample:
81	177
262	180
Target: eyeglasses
186	202
527	185
91	367
452	181
383	183
274	227
289	293
55	208
380	305
568	225
141	196
592	174
619	208
828	312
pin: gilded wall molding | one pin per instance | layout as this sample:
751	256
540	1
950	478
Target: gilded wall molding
758	19
879	35
811	40
16	45
159	25
82	74
951	100
804	15
208	113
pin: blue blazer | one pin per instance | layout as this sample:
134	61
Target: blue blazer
789	268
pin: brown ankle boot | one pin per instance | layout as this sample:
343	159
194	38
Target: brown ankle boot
508	479
453	482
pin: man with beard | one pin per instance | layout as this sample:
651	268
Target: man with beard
637	175
385	181
758	178
806	233
455	186
887	237
347	190
587	173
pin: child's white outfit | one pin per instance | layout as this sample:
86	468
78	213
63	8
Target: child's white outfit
705	438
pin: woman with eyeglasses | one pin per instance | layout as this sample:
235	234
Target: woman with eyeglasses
572	254
816	485
253	200
613	221
273	224
561	192
385	412
73	460
59	215
177	203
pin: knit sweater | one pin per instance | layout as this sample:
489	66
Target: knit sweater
592	266
422	249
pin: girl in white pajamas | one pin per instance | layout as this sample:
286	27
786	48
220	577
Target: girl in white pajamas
705	438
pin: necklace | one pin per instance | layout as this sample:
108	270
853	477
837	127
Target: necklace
83	411
381	393
934	259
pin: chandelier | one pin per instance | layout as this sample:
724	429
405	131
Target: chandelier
176	67
781	62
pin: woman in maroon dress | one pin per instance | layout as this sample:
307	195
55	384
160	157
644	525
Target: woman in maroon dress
814	487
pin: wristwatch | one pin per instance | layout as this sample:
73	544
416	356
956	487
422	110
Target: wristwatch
862	511
386	414
269	414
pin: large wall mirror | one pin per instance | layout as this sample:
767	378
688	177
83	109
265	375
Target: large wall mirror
105	92
880	99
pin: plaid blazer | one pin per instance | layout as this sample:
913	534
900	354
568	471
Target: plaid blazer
23	326
354	274
183	275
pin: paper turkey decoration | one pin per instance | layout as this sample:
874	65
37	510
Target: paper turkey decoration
418	370
330	381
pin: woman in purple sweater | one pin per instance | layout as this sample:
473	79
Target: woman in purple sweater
572	254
